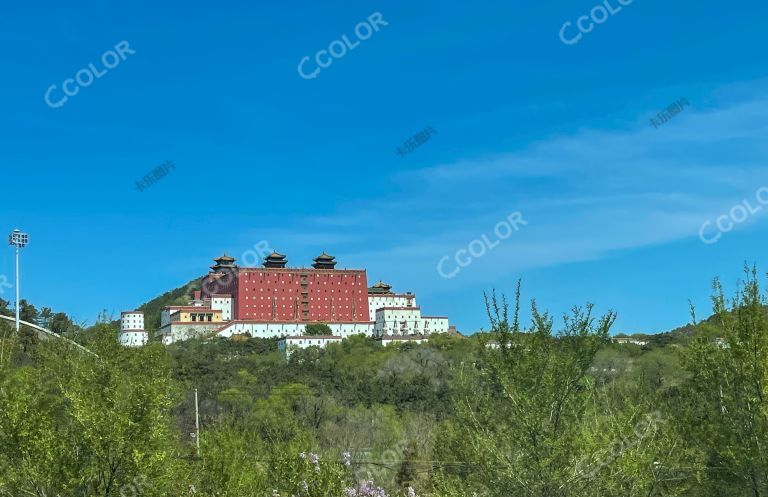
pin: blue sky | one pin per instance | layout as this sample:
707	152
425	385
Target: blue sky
524	123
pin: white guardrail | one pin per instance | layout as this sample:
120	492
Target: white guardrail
47	332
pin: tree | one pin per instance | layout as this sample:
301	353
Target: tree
4	309
8	343
406	473
316	329
724	405
105	317
28	312
28	340
521	408
80	424
60	323
46	314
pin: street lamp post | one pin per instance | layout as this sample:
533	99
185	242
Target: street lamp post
18	240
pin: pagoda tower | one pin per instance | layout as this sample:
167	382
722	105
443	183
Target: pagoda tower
324	261
222	278
275	260
224	263
380	288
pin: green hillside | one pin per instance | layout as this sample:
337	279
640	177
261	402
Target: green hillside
177	296
558	411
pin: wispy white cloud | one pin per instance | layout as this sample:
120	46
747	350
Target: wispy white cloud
584	196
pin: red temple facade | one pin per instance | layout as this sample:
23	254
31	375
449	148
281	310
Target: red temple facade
278	293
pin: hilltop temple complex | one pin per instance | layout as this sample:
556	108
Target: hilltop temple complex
277	301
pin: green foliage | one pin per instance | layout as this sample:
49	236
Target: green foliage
73	423
60	323
177	296
5	310
27	312
8	344
548	413
318	329
539	381
307	475
723	407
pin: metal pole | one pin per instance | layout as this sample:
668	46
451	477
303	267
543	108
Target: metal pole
17	289
197	425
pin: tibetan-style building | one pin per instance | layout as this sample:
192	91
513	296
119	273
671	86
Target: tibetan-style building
275	300
278	293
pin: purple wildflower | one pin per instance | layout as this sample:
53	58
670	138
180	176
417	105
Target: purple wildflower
367	489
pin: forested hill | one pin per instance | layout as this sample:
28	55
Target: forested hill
682	335
177	296
555	411
182	295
